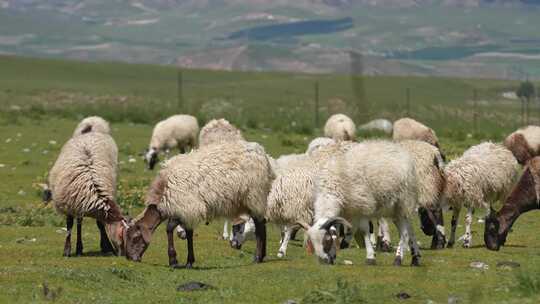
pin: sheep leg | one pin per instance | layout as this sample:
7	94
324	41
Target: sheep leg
287	232
455	217
69	227
364	228
403	240
180	232
226	230
439	232
191	253
467	239
171	251
413	244
79	246
372	236
293	233
260	235
384	235
437	241
104	242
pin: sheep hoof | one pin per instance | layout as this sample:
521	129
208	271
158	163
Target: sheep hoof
397	261
67	254
280	254
371	262
258	259
225	237
173	263
450	245
466	245
344	245
415	261
189	265
78	253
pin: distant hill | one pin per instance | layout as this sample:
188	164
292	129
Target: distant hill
468	38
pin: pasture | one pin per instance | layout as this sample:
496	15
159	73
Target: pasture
41	106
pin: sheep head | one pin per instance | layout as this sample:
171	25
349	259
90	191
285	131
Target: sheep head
151	157
139	233
491	232
323	236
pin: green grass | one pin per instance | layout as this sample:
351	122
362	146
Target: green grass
31	241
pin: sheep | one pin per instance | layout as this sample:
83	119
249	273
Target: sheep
179	131
523	198
408	128
92	124
370	180
429	166
219	180
524	143
482	175
83	183
219	131
340	127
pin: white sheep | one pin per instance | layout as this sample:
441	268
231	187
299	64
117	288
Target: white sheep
219	180
340	127
292	194
408	128
429	167
370	180
220	131
83	183
524	143
178	131
92	124
484	174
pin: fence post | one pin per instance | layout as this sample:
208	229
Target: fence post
475	113
408	96
316	104
180	93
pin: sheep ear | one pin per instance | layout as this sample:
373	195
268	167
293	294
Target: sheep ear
309	247
336	220
302	225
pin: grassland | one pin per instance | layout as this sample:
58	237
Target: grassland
41	106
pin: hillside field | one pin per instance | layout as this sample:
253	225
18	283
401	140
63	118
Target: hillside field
42	101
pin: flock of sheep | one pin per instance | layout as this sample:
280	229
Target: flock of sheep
335	191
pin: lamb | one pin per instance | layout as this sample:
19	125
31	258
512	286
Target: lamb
219	180
482	175
523	198
219	131
92	124
340	127
83	183
371	180
429	166
178	131
524	143
408	128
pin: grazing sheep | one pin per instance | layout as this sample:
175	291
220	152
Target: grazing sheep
524	143
83	183
482	175
429	167
92	124
178	131
219	131
317	143
381	125
340	127
292	195
523	198
220	180
371	180
408	128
